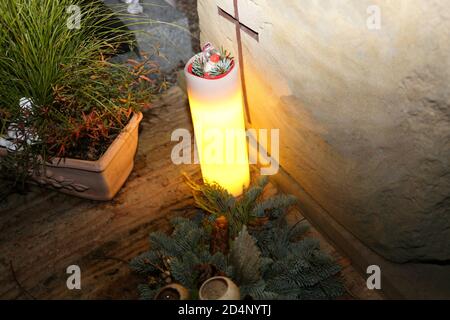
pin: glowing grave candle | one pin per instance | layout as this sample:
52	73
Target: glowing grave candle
218	117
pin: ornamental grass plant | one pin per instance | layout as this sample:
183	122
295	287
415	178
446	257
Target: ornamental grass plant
60	94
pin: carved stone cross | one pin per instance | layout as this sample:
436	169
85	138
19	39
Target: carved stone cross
240	26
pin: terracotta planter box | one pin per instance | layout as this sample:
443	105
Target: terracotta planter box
95	180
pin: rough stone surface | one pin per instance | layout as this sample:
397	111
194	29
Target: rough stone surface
161	30
364	114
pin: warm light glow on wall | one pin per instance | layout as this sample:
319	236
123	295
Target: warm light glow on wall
218	117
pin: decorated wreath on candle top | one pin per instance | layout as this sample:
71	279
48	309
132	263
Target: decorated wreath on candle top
212	63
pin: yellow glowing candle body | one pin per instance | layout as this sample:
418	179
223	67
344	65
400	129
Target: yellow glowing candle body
218	118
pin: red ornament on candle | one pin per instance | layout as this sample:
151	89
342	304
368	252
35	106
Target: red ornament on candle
215	58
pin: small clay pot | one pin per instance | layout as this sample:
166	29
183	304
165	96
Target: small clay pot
173	291
219	288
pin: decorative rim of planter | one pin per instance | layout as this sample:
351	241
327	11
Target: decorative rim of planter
101	164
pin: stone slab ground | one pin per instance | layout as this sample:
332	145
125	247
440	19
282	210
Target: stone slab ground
43	232
161	30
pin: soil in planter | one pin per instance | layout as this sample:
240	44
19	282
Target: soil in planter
88	138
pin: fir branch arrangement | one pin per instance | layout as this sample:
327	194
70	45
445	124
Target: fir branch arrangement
222	67
248	210
225	54
267	259
198	65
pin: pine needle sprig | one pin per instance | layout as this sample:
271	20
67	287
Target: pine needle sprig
225	54
198	65
221	67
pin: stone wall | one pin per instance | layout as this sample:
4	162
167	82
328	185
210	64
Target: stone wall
364	115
